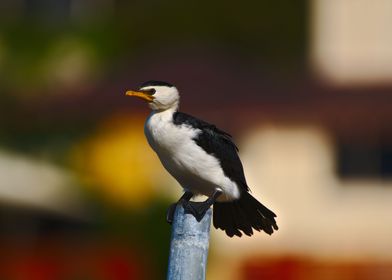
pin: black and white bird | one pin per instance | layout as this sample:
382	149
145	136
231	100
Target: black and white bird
204	161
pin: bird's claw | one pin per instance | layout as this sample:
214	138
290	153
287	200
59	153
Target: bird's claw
197	209
170	213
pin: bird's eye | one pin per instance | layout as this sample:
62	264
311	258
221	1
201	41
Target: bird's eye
149	91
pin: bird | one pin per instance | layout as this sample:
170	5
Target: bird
204	160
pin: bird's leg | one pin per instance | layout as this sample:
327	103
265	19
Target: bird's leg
199	209
172	208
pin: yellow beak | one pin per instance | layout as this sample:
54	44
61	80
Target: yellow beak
141	94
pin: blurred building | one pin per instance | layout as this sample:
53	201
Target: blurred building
305	88
327	157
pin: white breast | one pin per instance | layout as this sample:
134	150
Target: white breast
187	162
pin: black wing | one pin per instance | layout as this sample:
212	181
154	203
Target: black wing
218	143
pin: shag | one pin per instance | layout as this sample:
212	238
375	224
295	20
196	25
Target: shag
204	160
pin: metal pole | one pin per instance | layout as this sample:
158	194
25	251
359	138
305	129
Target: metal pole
189	246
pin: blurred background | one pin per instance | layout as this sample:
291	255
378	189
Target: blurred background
305	87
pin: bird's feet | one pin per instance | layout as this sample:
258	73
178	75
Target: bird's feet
197	209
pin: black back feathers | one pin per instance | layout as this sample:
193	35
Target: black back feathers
217	143
155	83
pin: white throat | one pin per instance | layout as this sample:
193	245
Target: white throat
158	107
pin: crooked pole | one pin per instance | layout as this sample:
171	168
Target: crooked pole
189	246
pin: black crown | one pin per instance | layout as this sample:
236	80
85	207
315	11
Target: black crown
155	83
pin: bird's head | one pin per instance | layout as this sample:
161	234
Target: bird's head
159	95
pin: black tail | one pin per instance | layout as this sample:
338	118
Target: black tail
243	214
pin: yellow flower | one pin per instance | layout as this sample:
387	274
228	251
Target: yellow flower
118	161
